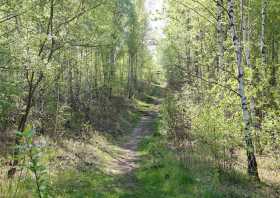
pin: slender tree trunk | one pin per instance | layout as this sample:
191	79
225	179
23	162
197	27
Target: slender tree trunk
220	33
130	76
245	28
135	78
256	102
96	74
274	58
251	159
262	39
112	71
32	84
246	33
70	81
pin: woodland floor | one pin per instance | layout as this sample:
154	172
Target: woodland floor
112	169
129	156
141	164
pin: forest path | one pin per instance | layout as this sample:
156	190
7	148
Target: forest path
108	168
128	162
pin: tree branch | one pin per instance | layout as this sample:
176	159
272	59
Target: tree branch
216	83
209	81
7	18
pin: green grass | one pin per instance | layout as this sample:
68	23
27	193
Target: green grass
160	175
87	183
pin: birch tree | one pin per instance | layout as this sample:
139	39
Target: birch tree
251	159
220	33
262	36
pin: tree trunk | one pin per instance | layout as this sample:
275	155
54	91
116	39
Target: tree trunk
262	39
220	33
251	159
246	33
112	71
130	76
245	28
71	99
22	124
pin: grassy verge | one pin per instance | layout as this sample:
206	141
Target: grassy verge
160	174
81	167
163	175
86	170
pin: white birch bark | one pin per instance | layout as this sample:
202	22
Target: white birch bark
251	159
246	33
220	33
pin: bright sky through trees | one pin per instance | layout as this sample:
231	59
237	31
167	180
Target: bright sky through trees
156	25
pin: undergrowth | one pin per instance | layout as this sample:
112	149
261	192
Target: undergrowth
163	175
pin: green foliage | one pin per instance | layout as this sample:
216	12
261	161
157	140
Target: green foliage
214	129
9	95
83	184
204	103
68	67
86	52
163	174
170	172
30	157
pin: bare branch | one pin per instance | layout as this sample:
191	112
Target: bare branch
195	11
7	18
216	83
208	81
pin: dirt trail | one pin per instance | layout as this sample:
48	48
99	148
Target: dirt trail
127	161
